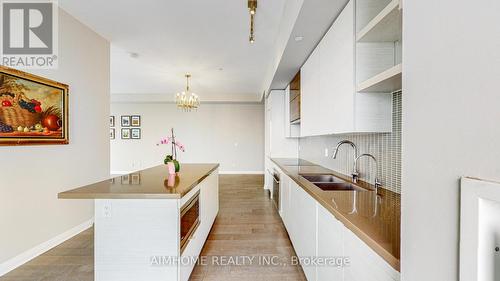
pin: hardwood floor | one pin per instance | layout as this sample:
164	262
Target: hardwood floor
247	225
72	260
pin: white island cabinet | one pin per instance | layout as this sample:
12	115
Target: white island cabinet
154	226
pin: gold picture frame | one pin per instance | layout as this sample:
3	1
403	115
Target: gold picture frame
33	110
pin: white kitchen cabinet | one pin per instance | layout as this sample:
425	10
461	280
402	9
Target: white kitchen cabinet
337	75
303	221
291	130
315	231
286	183
309	83
329	101
279	145
365	264
330	244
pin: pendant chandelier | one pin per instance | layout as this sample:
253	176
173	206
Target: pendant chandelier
187	100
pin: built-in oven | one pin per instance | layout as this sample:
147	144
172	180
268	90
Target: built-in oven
276	190
190	220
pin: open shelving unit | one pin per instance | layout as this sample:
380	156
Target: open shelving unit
384	27
388	81
378	41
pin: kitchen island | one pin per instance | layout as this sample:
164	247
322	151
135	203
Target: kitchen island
149	225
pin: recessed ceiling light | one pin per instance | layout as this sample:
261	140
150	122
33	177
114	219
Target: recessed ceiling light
133	55
299	38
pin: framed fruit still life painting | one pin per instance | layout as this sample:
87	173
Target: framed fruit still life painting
33	109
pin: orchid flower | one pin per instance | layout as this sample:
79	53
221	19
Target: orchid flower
180	146
175	144
165	140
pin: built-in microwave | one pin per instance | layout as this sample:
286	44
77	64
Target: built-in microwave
189	220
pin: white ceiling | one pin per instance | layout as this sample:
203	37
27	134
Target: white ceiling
209	39
313	21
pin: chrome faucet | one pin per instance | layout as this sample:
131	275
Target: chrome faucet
336	150
377	181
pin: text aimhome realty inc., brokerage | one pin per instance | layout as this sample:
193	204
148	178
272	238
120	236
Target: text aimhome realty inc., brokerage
29	34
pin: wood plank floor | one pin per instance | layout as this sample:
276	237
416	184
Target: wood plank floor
247	225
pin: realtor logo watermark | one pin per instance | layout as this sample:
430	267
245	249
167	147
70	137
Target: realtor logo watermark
29	34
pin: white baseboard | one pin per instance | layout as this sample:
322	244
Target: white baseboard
34	252
241	172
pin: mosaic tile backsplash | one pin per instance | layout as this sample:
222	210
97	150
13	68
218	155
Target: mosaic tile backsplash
386	147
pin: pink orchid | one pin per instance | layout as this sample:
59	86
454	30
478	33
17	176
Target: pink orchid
180	146
175	144
165	140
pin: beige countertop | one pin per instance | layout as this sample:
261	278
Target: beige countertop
152	183
377	220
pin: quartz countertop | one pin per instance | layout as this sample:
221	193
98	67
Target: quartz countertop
376	219
152	183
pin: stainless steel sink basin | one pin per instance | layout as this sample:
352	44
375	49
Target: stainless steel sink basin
323	179
329	182
338	186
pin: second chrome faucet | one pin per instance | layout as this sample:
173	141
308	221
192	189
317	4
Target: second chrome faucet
355	174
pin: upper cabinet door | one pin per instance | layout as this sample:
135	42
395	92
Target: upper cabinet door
337	80
327	80
309	82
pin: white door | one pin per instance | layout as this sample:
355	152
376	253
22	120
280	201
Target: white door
303	225
365	264
330	245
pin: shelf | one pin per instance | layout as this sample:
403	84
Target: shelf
384	27
386	82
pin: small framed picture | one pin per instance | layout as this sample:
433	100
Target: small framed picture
112	133
125	179
111	121
135	179
136	133
126	121
125	134
136	120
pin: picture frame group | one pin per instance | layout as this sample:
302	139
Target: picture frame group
130	127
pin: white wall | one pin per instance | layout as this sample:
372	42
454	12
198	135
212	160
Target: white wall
227	133
451	113
31	176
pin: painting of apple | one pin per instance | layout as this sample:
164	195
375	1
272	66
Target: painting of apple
33	109
52	122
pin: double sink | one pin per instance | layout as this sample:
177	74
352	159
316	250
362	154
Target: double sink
331	183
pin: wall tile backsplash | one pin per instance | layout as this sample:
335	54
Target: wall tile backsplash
386	147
